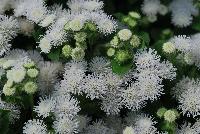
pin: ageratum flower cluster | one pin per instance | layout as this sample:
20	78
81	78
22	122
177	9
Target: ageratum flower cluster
68	67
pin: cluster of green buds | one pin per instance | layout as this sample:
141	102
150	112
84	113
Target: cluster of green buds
131	19
169	116
121	46
19	79
78	52
80	33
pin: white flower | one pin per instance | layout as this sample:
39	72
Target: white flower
187	128
48	76
34	10
8	30
49	19
124	34
35	56
148	76
16	75
111	103
182	11
145	124
66	106
94	86
45	107
181	19
45	45
79	5
26	27
151	7
74	73
99	127
16	58
188	97
35	126
65	126
99	65
106	24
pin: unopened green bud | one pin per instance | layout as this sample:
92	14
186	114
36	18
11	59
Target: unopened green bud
114	42
168	47
170	116
66	50
135	41
122	56
33	73
110	52
77	54
134	15
161	111
29	64
80	37
30	87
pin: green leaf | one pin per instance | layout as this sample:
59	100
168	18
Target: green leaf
4	121
120	69
145	39
54	55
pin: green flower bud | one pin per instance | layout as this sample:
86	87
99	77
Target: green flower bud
82	45
124	34
110	52
80	37
8	90
33	73
66	50
132	22
115	42
135	41
169	47
122	56
77	54
30	87
29	64
91	26
161	111
170	116
134	15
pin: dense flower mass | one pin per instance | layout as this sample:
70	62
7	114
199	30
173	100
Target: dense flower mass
68	67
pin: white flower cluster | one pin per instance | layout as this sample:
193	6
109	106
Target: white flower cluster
187	92
18	65
183	12
80	13
188	46
147	84
104	85
100	84
187	128
8	30
65	109
139	124
35	126
153	7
